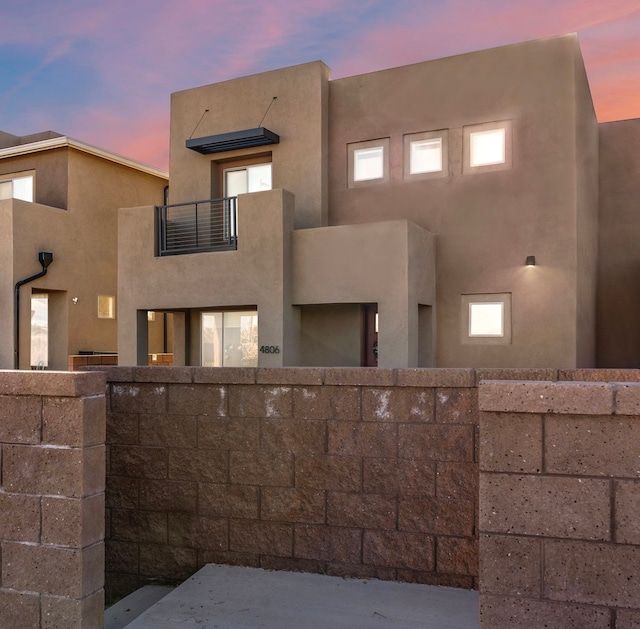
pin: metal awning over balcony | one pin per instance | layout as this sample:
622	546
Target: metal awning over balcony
248	138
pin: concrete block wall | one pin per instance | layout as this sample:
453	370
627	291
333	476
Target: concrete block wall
52	453
352	472
560	503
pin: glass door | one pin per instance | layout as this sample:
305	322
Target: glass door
229	339
39	330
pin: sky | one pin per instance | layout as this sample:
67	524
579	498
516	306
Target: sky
102	71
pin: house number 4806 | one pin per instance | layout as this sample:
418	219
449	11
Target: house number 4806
269	349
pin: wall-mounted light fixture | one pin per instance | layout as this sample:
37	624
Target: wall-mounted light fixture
75	301
530	261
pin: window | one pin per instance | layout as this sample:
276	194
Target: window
425	155
253	178
16	187
487	147
368	162
106	307
39	330
486	318
229	339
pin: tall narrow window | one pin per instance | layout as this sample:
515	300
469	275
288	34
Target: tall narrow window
39	330
229	339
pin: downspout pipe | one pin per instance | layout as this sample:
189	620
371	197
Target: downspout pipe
45	258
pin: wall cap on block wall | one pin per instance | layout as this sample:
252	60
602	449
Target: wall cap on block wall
581	398
57	383
447	377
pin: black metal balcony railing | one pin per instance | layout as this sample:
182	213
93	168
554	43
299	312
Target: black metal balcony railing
196	227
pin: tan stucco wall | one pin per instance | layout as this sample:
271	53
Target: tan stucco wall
256	275
485	223
298	116
82	238
619	238
388	263
587	148
330	335
51	177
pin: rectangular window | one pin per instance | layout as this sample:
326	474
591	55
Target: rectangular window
487	146
247	179
229	339
17	187
368	162
106	307
486	318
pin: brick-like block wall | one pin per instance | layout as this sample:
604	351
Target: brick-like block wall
52	453
351	472
560	503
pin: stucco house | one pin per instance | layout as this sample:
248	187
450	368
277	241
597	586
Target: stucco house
59	200
467	211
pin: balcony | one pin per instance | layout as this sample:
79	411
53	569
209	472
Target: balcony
197	227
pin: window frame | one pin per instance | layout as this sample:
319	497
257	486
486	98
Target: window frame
352	148
410	138
470	130
466	307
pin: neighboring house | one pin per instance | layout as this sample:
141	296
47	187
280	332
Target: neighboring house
61	196
389	219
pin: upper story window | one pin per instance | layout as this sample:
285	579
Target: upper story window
487	146
16	187
426	154
252	178
368	162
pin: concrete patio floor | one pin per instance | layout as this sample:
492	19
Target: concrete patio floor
230	597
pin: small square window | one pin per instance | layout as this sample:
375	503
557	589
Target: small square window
368	162
486	318
106	307
487	147
425	155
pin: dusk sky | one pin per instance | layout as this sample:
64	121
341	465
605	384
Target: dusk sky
102	71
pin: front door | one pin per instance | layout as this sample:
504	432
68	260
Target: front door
369	335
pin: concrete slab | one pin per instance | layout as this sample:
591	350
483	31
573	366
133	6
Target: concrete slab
231	597
120	614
